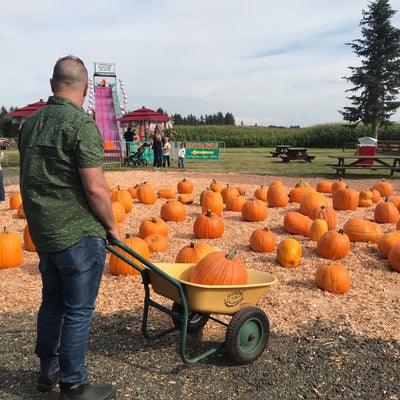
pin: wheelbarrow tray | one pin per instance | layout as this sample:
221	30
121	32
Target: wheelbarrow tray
218	299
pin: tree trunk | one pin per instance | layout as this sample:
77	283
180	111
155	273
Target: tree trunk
374	130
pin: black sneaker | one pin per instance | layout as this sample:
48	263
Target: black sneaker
87	392
47	382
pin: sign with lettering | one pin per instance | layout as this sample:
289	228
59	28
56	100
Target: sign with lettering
104	69
202	150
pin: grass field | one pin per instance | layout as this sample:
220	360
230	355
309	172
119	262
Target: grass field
257	161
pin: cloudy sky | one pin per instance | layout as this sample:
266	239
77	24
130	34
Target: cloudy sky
267	62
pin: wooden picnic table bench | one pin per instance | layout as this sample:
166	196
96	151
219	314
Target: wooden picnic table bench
280	149
365	162
296	153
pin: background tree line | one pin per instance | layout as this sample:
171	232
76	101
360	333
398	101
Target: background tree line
215	119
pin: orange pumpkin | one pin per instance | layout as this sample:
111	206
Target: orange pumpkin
228	192
345	199
333	277
339	184
324	187
261	193
219	268
327	213
186	198
333	245
173	210
21	212
288	253
254	210
133	191
212	200
262	240
153	225
277	196
11	254
193	252
120	267
15	201
296	223
235	203
395	200
29	246
311	200
118	211
167	193
387	241
124	197
296	194
386	212
156	243
216	186
394	257
208	226
384	187
185	186
146	193
360	230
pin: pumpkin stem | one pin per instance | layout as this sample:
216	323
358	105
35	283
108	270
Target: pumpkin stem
208	213
231	254
192	245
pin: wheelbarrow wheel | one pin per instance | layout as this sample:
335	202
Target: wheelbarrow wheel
127	162
247	335
196	320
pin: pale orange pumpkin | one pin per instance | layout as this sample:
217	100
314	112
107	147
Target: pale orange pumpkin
339	184
261	193
235	203
216	186
228	192
186	198
345	199
118	211
288	253
296	194
277	196
365	198
124	197
15	201
146	193
318	227
212	200
28	244
324	187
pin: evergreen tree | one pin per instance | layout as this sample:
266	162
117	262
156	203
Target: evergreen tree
229	119
377	80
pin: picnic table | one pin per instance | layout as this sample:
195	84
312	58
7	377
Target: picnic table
280	149
296	153
355	161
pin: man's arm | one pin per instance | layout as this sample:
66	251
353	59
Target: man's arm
97	193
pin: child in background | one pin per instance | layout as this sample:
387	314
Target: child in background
2	192
166	153
181	156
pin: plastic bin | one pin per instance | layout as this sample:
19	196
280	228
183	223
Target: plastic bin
366	147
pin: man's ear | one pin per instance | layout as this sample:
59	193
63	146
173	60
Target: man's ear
52	85
85	90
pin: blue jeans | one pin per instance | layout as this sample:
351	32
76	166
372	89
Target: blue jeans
71	280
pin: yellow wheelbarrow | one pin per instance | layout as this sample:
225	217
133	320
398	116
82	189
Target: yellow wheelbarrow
247	332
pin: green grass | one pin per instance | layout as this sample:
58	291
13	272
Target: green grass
257	161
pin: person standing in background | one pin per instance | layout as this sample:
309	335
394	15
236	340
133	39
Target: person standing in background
68	209
181	156
166	152
157	148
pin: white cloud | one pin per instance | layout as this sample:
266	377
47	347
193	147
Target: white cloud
267	62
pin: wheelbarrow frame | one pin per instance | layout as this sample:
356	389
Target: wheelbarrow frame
182	313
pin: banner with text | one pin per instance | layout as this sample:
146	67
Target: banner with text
202	150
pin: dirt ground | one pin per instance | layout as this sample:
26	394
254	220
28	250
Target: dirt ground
369	310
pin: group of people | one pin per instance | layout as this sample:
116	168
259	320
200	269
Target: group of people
162	151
